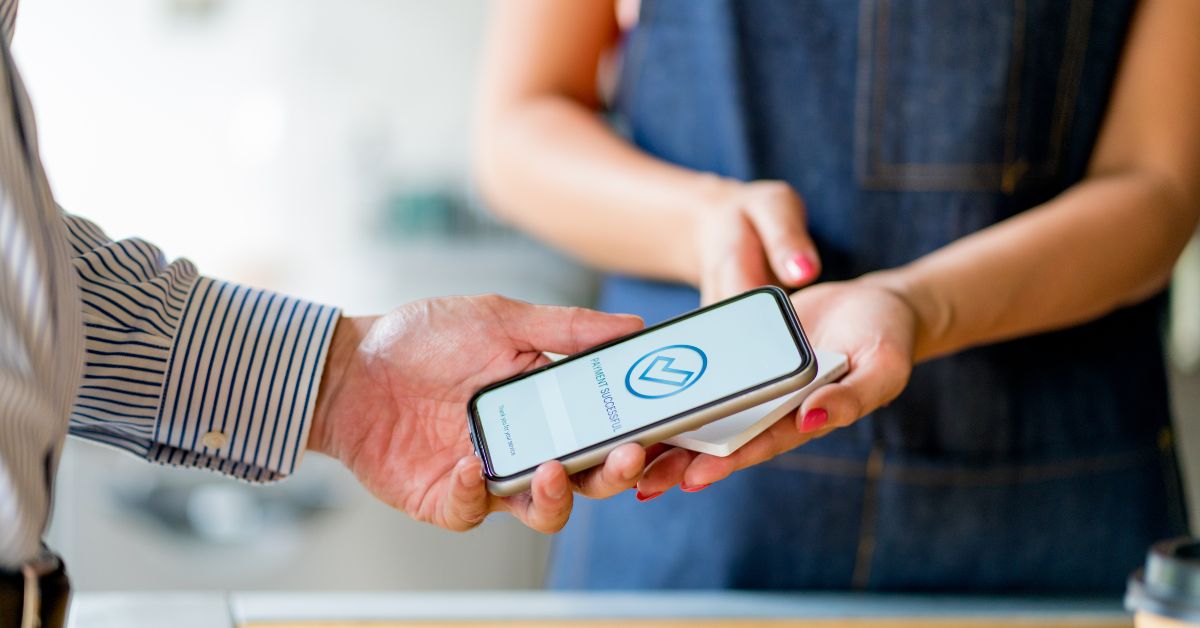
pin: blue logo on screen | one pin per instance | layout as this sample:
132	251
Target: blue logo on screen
666	371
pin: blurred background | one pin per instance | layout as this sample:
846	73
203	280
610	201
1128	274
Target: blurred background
319	149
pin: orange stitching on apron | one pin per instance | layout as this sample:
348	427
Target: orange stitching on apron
871	71
1014	169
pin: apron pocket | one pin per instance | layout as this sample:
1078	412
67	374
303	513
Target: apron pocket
943	101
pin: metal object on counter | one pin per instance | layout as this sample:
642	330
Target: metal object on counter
1166	592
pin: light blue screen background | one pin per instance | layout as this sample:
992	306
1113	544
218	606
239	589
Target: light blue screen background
561	410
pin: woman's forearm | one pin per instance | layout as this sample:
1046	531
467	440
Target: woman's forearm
547	162
553	168
1111	240
1107	242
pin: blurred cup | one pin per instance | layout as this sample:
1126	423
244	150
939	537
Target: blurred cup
1166	592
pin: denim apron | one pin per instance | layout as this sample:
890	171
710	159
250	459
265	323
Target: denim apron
1043	464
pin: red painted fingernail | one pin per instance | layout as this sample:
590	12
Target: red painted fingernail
642	497
814	420
693	489
801	268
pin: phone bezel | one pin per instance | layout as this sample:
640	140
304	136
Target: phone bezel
781	300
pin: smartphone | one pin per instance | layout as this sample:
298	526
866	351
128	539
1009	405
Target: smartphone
646	387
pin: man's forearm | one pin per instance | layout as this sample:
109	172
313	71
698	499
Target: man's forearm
1109	241
186	370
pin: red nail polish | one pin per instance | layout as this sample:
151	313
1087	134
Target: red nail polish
801	268
693	489
814	420
642	497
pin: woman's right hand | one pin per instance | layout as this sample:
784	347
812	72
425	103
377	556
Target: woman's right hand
753	234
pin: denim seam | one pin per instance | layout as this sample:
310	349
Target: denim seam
999	476
865	552
827	465
862	85
1070	75
582	521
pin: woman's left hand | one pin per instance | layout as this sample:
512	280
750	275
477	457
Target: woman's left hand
872	325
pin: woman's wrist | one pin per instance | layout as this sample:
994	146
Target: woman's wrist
706	196
934	315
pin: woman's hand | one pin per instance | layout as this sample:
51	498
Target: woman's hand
753	235
393	405
872	325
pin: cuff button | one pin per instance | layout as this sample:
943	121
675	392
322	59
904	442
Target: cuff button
215	440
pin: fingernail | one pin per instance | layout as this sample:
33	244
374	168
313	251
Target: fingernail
557	489
469	480
472	480
687	488
814	420
642	497
801	268
628	473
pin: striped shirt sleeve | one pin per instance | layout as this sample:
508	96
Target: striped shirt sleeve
186	370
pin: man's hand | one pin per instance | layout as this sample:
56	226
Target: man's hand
393	405
872	325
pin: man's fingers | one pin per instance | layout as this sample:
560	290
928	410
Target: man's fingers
619	472
547	506
666	471
468	502
778	216
540	361
561	329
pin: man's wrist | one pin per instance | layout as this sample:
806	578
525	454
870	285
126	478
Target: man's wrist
346	337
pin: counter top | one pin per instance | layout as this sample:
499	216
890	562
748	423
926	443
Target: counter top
593	610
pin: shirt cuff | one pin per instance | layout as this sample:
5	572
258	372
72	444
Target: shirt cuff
241	381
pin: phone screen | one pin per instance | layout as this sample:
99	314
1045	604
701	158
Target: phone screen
657	374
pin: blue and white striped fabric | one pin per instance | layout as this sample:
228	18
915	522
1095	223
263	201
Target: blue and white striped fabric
108	340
